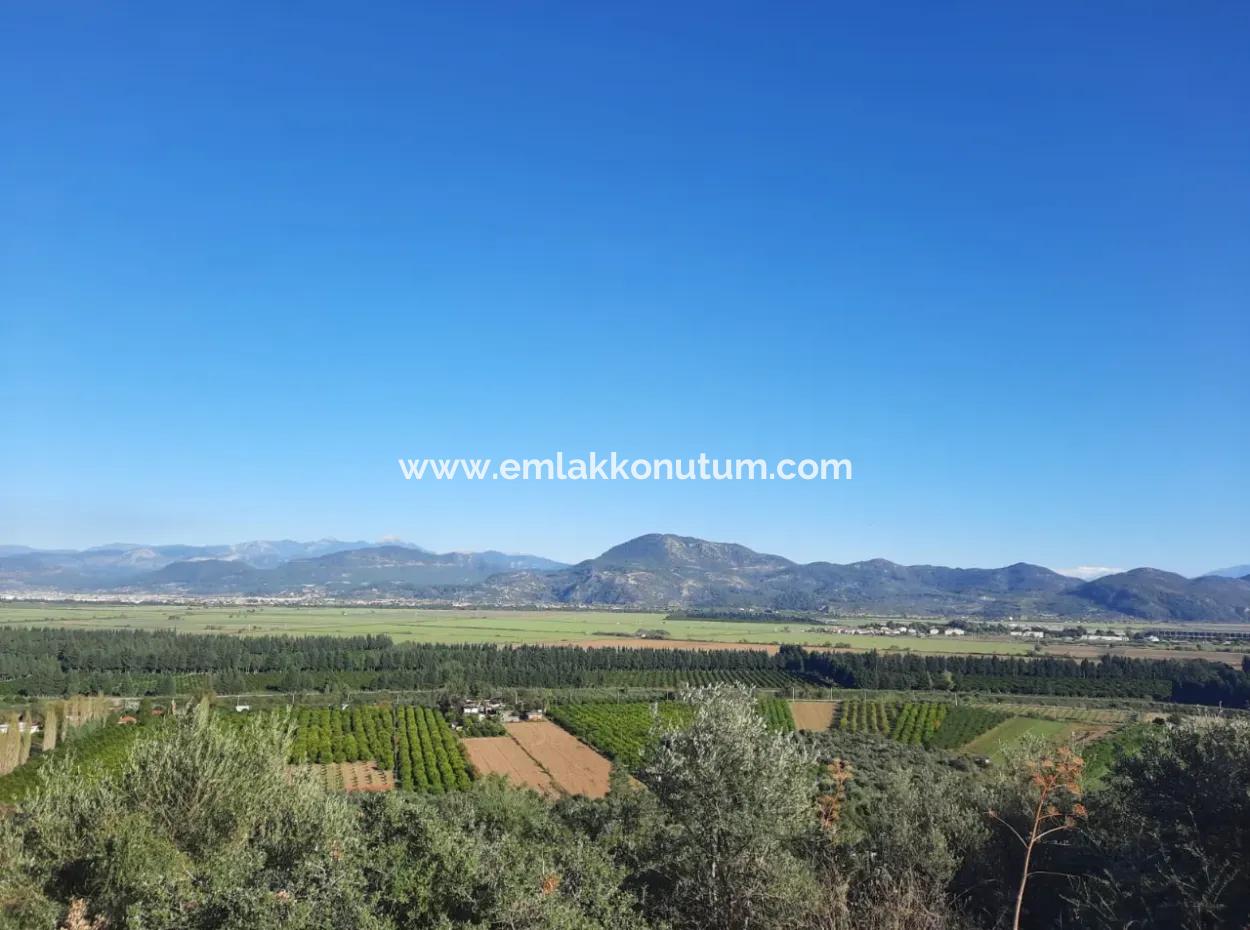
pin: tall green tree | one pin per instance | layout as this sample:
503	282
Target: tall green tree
740	801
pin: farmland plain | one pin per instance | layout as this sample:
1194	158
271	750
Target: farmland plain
542	627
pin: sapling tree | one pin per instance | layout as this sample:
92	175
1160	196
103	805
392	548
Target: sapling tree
1052	786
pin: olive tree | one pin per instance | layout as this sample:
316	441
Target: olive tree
199	827
739	799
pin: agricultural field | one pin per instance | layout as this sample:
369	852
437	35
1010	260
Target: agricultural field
769	679
351	777
1110	716
777	714
98	749
538	754
624	730
1195	650
979	730
539	627
813	715
1100	754
961	725
907	722
415	743
573	766
992	742
502	755
932	724
591	628
621	731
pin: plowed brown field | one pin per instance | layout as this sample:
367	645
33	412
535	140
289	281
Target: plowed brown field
502	755
812	715
574	766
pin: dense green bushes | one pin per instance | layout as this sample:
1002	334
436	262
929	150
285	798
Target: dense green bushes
481	726
202	827
99	748
962	725
1101	755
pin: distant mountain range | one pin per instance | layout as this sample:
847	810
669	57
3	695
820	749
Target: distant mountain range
664	570
258	567
1233	571
657	571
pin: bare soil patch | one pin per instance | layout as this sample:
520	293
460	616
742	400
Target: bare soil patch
502	755
574	766
351	776
813	715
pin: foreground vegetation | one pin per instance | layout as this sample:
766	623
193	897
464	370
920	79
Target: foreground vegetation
738	825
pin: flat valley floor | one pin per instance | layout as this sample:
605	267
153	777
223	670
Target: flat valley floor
551	627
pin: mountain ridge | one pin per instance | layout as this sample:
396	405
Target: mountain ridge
122	566
656	571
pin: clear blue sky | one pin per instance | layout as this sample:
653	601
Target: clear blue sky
997	255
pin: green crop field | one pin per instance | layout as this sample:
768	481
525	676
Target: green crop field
622	731
465	626
936	724
415	741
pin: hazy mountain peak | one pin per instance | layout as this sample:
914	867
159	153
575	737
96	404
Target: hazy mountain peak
1233	571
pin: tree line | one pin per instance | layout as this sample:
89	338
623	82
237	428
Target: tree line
1184	681
42	661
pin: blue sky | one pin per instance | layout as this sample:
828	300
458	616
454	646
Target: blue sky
998	256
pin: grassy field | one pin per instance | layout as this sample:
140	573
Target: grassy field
1110	716
991	742
461	626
